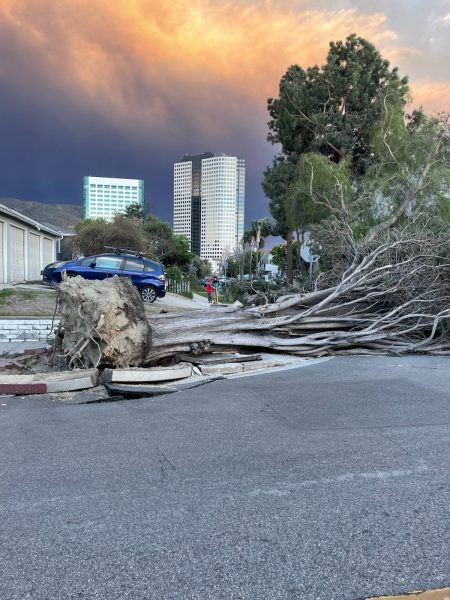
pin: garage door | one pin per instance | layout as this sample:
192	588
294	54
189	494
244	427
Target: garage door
1	253
17	254
34	256
48	252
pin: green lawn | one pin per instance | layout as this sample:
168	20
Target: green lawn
22	302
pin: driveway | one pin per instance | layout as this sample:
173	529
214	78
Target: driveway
325	482
177	301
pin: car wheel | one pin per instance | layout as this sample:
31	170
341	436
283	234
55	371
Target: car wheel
148	293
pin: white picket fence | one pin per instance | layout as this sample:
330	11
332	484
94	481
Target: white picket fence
176	286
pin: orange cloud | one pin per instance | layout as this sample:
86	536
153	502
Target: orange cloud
93	46
433	96
135	59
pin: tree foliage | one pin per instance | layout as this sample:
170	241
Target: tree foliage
92	235
135	210
332	110
151	235
354	167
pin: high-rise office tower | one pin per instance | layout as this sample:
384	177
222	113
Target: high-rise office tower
209	203
106	196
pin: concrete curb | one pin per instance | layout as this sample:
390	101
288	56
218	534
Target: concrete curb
44	383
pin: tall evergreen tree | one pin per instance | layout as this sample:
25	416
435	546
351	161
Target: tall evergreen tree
332	110
329	111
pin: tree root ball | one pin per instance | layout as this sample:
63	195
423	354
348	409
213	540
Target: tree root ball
104	323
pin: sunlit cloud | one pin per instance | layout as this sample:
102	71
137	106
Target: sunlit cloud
140	60
136	55
153	79
433	96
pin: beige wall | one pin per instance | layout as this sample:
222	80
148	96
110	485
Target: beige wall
24	251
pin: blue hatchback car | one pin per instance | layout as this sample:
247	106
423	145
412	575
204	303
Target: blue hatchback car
145	274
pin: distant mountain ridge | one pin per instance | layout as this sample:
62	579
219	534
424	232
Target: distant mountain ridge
61	215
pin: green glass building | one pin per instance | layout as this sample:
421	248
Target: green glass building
106	196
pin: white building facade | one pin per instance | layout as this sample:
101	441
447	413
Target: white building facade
209	203
104	197
26	246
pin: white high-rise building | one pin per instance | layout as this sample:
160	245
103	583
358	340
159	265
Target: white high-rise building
106	196
209	203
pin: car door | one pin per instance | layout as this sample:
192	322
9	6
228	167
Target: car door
134	269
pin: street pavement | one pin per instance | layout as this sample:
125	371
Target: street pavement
326	482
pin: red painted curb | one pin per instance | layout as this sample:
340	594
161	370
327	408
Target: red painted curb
17	389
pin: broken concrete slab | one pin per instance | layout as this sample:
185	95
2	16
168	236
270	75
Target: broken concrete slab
233	368
222	369
138	390
149	375
42	383
264	364
71	381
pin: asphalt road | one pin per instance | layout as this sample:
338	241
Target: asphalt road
326	482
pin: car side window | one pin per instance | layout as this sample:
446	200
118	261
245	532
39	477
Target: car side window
108	262
87	262
134	265
149	268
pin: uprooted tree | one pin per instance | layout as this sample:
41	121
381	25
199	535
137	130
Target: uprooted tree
394	298
381	226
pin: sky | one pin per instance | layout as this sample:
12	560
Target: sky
124	88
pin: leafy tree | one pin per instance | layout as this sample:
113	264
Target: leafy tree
199	267
410	171
151	236
233	267
332	110
259	230
92	235
256	235
135	210
181	254
405	191
166	247
276	184
279	257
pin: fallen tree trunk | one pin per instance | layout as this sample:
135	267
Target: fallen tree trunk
396	299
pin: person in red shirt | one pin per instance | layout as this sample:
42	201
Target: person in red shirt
209	289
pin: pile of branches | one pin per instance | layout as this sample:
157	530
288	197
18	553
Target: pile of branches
394	298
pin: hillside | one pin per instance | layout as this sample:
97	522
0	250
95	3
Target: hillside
61	215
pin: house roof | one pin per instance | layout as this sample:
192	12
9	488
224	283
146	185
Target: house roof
51	229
